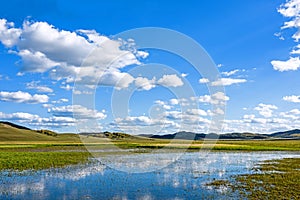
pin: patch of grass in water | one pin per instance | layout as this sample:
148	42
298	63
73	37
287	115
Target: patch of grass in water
277	179
219	183
40	160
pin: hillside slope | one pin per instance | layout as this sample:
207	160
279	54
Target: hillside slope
12	132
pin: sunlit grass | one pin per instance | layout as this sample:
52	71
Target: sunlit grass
226	145
276	179
45	154
40	160
244	145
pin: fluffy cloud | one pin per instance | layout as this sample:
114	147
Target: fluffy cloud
189	117
230	72
66	87
43	47
40	88
23	97
183	75
196	112
163	104
227	81
224	81
203	80
197	119
170	81
143	124
220	96
144	83
265	110
292	98
58	45
138	120
253	120
174	101
116	78
76	111
295	111
9	35
63	100
171	120
216	98
35	61
292	114
36	120
296	50
291	10
291	64
19	116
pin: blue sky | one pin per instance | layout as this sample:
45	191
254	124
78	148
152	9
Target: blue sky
46	46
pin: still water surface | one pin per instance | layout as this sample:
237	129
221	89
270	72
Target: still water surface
183	179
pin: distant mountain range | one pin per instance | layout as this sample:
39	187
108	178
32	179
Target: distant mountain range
19	131
292	134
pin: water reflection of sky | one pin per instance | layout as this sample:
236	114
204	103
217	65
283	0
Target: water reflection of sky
183	179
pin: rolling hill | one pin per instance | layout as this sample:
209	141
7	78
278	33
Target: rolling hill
13	132
9	124
287	134
114	135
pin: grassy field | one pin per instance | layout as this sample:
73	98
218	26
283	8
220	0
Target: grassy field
27	149
278	179
224	145
45	154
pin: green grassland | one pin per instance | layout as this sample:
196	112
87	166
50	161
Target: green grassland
224	145
40	160
27	149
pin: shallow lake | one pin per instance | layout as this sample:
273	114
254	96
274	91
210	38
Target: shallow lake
136	176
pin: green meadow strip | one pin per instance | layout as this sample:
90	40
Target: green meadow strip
40	160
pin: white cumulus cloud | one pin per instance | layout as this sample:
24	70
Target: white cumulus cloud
36	120
170	81
291	10
40	88
227	81
216	98
9	35
43	47
203	80
265	110
23	97
143	83
230	72
291	64
76	111
292	98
